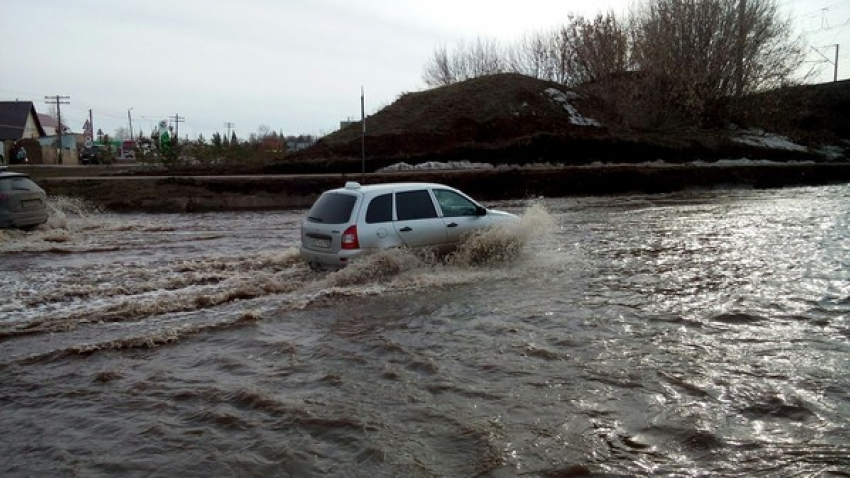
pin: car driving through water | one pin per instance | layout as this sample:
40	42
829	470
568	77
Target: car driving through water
354	220
22	203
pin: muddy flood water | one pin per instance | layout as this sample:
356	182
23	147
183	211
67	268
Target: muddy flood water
702	333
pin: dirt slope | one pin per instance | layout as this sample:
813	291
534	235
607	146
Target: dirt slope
514	119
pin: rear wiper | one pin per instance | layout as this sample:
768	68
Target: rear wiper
315	219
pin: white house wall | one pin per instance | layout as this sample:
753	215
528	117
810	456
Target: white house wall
30	130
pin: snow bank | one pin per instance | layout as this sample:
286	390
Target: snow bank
434	165
768	140
559	97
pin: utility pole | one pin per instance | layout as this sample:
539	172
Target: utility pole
835	78
59	100
177	120
228	125
130	119
363	137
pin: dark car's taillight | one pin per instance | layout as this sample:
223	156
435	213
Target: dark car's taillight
349	238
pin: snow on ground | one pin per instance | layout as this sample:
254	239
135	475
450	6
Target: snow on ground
563	99
768	140
434	165
833	152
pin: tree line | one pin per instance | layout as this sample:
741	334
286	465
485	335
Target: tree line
688	58
260	148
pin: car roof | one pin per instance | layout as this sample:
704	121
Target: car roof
355	187
10	174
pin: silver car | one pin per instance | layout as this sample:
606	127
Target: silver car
22	203
349	222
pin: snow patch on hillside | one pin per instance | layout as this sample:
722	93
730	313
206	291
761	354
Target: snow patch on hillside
563	99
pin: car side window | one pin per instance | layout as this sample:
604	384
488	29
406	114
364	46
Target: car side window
454	205
380	209
411	205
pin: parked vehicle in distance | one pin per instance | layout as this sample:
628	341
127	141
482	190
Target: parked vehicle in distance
22	203
354	220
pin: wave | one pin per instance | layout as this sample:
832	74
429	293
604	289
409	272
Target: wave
151	339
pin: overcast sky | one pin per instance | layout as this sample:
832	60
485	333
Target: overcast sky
294	66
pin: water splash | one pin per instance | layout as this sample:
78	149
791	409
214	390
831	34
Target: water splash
504	242
495	246
381	267
60	207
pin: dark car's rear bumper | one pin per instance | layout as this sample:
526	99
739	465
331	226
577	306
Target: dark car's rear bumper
23	219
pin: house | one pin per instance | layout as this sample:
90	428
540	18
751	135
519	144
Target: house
21	127
18	121
49	123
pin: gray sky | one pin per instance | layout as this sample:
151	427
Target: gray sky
294	66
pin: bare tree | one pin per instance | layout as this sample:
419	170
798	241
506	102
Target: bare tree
438	70
122	134
532	56
766	50
600	48
707	51
577	52
482	57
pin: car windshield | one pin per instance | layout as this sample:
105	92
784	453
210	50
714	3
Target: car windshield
332	208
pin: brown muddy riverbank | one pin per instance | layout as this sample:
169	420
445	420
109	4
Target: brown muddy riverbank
257	192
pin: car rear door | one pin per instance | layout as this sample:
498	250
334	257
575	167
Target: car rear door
417	222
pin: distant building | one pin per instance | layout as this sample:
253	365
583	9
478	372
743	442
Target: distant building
49	123
295	143
18	121
346	123
21	125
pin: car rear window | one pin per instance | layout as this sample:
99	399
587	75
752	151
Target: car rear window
18	183
332	208
380	209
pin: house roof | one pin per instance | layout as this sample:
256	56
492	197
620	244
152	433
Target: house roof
13	119
48	121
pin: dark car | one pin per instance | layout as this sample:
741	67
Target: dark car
22	203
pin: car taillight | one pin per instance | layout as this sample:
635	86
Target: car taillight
4	196
349	238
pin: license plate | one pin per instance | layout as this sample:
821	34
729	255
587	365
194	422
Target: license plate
31	204
320	243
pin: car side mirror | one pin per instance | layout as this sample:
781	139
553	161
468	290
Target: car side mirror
480	211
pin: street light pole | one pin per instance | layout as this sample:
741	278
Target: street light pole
362	135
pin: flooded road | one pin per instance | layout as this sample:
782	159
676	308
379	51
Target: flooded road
692	334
